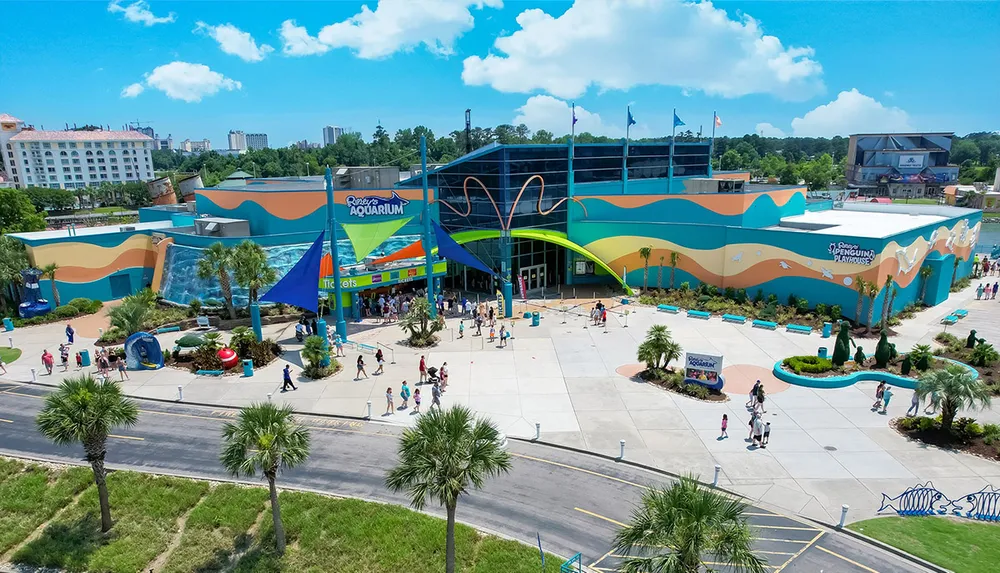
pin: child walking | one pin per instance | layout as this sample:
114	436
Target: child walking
361	368
725	425
388	401
416	401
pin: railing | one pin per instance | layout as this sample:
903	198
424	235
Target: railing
925	499
392	353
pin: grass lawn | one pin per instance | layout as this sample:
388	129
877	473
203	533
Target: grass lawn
324	534
917	201
8	355
955	543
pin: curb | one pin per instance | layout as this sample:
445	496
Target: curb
833	527
119	467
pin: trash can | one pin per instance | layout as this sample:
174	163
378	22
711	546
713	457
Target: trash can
248	368
85	357
8	324
535	318
527	315
827	329
822	352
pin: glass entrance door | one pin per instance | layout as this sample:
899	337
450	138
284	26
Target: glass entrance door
534	277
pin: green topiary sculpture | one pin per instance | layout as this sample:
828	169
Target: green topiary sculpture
970	342
892	352
842	347
859	356
882	351
904	368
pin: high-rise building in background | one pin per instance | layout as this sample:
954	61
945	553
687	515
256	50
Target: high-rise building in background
72	159
196	146
256	141
163	144
147	131
331	133
237	140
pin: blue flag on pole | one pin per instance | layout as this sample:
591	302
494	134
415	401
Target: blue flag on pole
677	120
631	120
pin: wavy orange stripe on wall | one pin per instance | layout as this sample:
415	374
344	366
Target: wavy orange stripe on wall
129	259
727	204
289	205
633	262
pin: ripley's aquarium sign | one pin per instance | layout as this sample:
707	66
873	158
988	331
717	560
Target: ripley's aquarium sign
373	206
850	253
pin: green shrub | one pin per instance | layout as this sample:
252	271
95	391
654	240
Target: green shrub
836	312
759	297
921	356
65	312
946	338
973	430
685	286
991	433
195	305
112	335
808	364
983	355
741	295
822	309
961	425
907	424
793	301
802	306
730	293
772	299
83	304
704	298
926	424
694	390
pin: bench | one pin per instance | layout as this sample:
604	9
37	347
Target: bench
798	328
203	322
366	347
950	319
667	308
168	329
209	373
699	314
960	313
765	324
734	318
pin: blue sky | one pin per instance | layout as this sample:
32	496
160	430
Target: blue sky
797	68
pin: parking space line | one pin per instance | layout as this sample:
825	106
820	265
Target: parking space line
718	563
800	552
773	552
603	557
784	527
593	473
599	516
851	561
802	541
137	439
4	420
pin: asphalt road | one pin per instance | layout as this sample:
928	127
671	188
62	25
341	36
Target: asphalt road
575	501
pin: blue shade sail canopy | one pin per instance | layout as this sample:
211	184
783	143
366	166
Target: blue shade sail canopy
300	285
449	249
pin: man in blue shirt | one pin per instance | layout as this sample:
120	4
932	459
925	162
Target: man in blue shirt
287	372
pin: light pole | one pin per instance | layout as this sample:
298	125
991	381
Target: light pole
338	301
429	259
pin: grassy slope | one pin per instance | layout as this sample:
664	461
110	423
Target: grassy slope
30	495
955	543
8	355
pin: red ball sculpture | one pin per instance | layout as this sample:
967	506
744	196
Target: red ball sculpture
228	357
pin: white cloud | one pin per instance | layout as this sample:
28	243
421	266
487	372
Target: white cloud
188	82
768	130
851	112
133	90
556	116
394	25
620	44
296	41
235	42
140	13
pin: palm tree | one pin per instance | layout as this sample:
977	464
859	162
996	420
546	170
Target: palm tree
862	286
954	270
265	438
644	253
132	313
674	259
216	262
659	275
674	528
83	410
887	289
872	294
658	348
953	389
251	269
49	271
315	352
419	323
444	454
925	275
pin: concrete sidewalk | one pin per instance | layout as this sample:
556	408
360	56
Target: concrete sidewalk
827	447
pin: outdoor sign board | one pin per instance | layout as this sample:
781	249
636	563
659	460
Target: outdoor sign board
372	205
704	369
911	161
521	286
382	278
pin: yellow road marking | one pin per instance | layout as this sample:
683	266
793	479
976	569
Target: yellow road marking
12	393
593	473
127	438
598	516
799	552
785	527
603	557
780	540
774	552
4	420
761	514
851	561
726	564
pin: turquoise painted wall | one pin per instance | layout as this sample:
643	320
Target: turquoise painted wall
139	278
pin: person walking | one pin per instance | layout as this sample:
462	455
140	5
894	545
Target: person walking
416	401
493	334
404	395
878	396
79	361
380	360
479	325
504	335
287	378
725	425
461	328
758	431
753	418
70	333
47	361
760	399
767	435
996	287
388	401
886	396
932	404
435	396
64	356
122	374
979	291
443	373
423	370
753	395
361	367
914	405
340	346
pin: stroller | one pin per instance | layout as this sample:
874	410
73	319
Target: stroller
432	375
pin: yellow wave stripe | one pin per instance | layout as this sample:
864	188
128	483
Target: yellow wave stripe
73	254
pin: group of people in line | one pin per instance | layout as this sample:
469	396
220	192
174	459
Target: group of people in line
599	315
106	362
985	267
990	292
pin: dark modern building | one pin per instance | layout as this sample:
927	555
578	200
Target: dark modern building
904	165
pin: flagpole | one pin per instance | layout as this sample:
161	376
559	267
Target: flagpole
572	130
711	142
628	125
670	166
